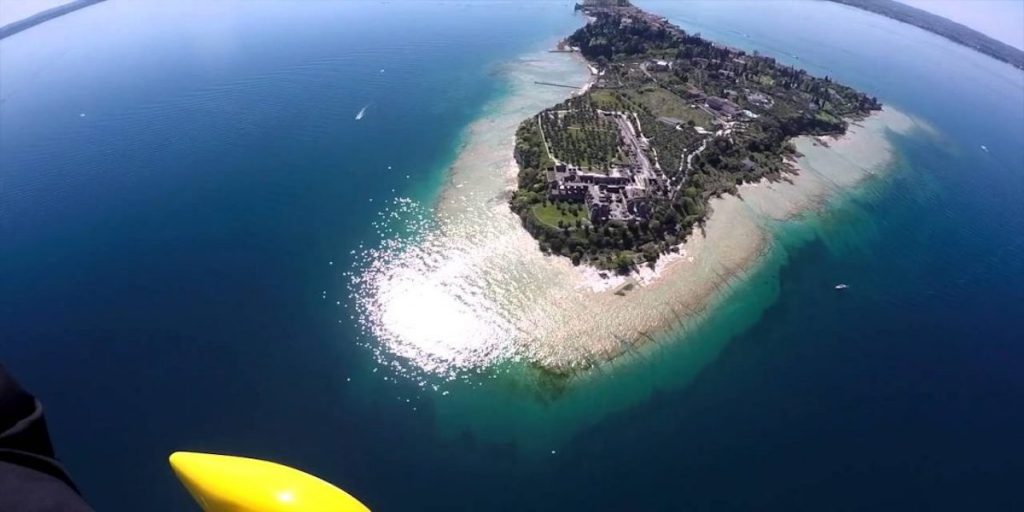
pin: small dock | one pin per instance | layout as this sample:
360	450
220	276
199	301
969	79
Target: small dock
552	84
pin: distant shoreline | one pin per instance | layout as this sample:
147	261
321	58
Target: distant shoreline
24	24
943	27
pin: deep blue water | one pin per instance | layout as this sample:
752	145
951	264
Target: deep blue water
163	259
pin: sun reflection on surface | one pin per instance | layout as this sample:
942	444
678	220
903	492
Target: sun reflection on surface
422	297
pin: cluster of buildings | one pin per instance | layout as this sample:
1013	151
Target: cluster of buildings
722	106
621	193
607	196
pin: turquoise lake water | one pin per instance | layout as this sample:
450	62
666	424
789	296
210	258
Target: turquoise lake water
179	193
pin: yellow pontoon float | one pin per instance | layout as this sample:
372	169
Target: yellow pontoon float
223	483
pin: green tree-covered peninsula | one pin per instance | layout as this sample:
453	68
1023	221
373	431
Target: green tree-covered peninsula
622	173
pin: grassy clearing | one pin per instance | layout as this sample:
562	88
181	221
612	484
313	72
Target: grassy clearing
550	214
664	103
605	99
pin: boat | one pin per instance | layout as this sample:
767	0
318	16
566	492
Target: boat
842	286
361	113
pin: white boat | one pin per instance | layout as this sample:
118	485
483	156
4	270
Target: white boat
984	148
842	286
361	113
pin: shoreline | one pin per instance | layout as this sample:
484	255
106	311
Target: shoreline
43	16
685	286
739	234
805	190
476	292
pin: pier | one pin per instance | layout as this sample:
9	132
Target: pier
552	84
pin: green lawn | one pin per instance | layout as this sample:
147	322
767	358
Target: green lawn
550	215
664	103
827	117
604	99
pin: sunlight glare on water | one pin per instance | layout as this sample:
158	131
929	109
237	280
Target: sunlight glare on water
459	286
423	299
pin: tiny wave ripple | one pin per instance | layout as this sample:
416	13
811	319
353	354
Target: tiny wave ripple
422	295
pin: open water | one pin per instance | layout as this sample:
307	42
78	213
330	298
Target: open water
185	194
